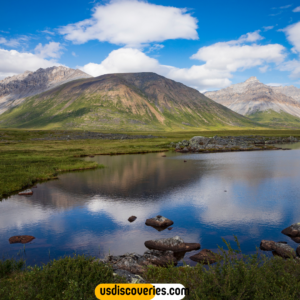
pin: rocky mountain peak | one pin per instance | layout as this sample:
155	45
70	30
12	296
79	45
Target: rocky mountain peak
14	89
252	79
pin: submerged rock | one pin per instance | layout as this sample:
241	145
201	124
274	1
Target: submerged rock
206	256
27	192
175	244
24	239
159	221
132	218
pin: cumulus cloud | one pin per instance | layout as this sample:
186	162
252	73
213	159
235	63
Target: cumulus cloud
132	23
13	62
220	61
53	50
297	9
293	35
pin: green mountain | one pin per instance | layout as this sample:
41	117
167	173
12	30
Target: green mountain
132	101
275	119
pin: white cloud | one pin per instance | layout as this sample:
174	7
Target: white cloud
9	43
286	6
125	60
293	35
53	50
297	9
266	28
132	23
13	62
264	69
48	32
220	61
13	42
293	66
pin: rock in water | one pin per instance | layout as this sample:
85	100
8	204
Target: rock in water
175	244
132	218
159	221
26	193
284	250
267	245
24	239
206	256
292	231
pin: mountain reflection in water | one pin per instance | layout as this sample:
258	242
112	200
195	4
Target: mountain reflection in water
87	211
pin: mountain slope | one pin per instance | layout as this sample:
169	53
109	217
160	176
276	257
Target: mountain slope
290	91
260	102
13	90
133	101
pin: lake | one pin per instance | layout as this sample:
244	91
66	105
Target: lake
253	195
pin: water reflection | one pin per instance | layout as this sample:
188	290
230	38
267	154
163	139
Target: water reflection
87	211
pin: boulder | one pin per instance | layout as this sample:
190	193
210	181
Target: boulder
175	244
27	192
136	263
24	239
293	230
296	239
267	245
132	218
130	277
159	221
284	250
206	256
197	139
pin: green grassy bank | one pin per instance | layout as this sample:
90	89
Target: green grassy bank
24	161
236	277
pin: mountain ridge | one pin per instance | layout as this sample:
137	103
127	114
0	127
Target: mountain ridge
252	97
14	89
128	101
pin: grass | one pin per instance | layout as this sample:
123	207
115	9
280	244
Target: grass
276	119
237	276
67	278
25	162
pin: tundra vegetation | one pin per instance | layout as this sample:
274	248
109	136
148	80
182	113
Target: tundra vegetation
237	276
28	156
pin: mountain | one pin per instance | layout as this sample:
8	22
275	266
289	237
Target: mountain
13	90
290	91
132	101
273	106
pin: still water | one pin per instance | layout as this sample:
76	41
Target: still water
252	195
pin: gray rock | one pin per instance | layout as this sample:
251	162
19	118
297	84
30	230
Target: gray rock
159	221
130	277
292	231
284	250
175	244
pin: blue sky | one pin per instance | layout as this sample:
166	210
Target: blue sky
204	44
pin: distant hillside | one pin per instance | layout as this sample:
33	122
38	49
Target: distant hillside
271	106
13	90
133	101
